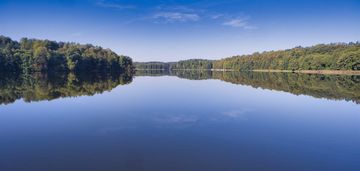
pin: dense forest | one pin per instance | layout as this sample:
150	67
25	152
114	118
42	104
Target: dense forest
336	87
337	56
152	65
193	64
201	64
32	55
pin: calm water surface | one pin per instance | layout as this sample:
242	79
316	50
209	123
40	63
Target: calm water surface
176	123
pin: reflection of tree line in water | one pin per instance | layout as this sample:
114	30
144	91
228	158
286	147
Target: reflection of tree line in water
37	87
49	86
336	87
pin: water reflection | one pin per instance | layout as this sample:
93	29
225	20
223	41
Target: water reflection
167	123
40	86
334	87
49	86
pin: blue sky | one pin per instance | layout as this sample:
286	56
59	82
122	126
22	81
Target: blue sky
160	30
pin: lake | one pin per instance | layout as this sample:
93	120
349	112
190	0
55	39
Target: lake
180	120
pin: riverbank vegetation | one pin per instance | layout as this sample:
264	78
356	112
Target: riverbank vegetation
336	56
33	55
339	56
152	65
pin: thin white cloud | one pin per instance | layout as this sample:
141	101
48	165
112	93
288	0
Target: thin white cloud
180	8
109	4
239	23
178	119
172	17
217	16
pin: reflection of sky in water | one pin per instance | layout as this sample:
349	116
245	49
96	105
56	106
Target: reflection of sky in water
163	123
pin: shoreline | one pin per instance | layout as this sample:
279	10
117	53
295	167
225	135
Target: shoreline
325	72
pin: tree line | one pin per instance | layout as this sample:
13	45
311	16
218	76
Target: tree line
184	64
335	56
33	55
152	65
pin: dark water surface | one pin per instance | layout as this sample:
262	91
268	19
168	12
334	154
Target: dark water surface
180	121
